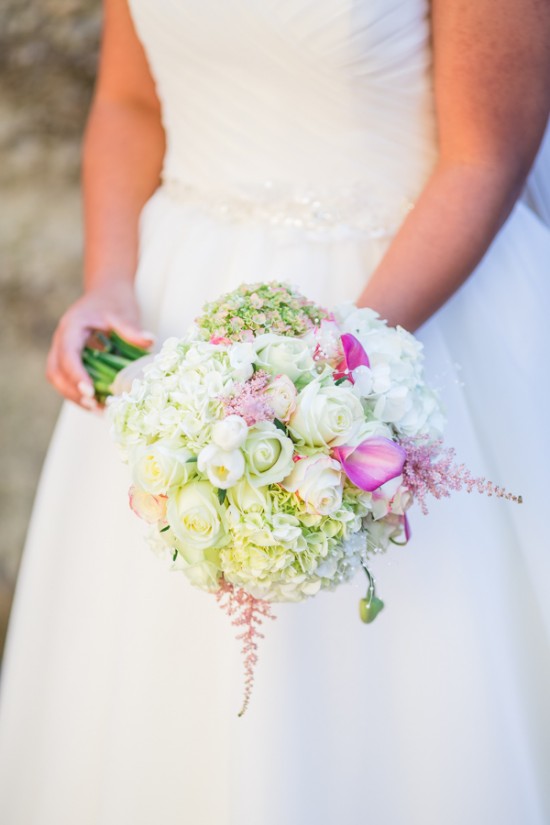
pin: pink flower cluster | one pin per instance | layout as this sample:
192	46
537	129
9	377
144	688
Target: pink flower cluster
431	470
249	612
248	400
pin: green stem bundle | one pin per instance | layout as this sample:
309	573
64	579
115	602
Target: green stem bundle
104	357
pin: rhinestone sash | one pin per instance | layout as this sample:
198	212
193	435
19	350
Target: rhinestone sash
342	210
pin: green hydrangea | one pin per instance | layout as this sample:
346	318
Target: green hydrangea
253	309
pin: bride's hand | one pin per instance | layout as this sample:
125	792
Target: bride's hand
106	308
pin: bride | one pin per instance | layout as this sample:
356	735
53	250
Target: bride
370	151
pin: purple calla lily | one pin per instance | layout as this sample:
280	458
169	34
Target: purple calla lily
372	463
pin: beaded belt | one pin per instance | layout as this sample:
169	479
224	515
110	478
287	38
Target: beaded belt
344	210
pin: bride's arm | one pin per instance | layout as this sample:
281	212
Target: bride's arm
122	157
492	96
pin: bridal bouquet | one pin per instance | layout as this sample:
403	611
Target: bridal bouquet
277	445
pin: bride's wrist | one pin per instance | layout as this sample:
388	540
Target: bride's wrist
112	283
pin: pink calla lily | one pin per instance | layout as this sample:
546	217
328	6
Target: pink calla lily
354	356
372	463
354	352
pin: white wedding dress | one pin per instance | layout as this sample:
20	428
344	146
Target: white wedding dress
299	133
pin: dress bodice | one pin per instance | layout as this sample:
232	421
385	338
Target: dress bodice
301	95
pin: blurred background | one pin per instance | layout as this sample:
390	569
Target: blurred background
48	51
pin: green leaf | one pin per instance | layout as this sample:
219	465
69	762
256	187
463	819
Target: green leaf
174	557
221	495
164	529
341	380
192	459
279	424
369	608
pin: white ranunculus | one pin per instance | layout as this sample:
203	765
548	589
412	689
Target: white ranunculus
281	394
159	466
278	354
241	358
268	452
326	416
148	507
196	517
230	433
223	467
318	481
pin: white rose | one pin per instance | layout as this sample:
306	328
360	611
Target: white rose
148	507
249	499
196	517
223	467
281	394
318	482
279	354
230	433
268	453
159	466
326	416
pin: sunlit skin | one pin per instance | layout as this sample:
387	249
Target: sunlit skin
491	70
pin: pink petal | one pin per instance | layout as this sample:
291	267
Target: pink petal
354	352
372	463
219	339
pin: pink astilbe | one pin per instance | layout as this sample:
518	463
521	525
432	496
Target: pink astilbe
249	612
247	399
431	470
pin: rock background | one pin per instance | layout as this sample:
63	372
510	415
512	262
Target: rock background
48	52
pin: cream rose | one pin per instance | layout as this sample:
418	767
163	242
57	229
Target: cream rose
326	416
278	354
159	466
317	480
268	452
249	499
148	507
195	515
281	394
